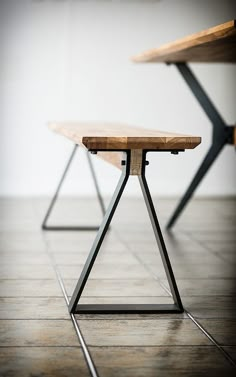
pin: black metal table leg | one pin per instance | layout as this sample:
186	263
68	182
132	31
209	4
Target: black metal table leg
210	157
222	135
176	307
45	226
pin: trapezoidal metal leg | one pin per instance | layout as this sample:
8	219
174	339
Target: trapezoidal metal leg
75	307
45	226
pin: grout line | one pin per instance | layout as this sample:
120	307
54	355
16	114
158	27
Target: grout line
88	357
217	255
208	335
220	348
191	317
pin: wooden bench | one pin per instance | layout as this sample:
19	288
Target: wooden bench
214	45
118	137
125	147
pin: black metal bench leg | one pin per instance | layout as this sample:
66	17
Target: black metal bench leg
159	239
177	307
99	196
45	226
100	236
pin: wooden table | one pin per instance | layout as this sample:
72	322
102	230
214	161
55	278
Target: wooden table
215	45
125	147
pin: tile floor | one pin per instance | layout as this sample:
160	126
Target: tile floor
37	337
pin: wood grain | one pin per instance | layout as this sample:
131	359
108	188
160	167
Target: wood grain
217	44
106	136
115	158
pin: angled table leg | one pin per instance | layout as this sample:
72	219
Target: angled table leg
176	307
210	157
222	135
45	226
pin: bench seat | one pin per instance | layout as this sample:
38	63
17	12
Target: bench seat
110	136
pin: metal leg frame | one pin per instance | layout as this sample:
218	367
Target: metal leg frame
222	135
176	307
55	196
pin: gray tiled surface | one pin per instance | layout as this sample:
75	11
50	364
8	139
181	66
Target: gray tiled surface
37	336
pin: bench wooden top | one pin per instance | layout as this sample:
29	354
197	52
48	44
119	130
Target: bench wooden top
217	44
105	136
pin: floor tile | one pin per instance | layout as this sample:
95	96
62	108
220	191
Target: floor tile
33	308
142	332
24	258
119	288
206	287
21	245
159	361
104	271
29	288
223	330
211	306
43	361
105	257
18	271
197	271
231	351
39	333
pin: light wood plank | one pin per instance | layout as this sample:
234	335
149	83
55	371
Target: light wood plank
105	136
217	44
115	158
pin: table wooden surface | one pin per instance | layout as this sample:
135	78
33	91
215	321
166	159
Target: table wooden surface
216	44
106	136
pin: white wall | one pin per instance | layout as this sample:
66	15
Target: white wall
69	60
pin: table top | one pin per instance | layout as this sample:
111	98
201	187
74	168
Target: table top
107	136
217	44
